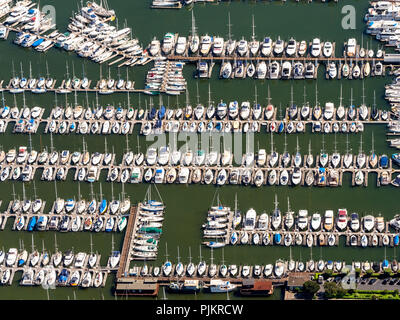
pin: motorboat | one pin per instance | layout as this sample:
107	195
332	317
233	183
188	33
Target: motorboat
327	49
302	219
369	223
341	223
316	48
354	222
315	221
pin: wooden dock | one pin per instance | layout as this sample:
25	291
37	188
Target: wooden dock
127	244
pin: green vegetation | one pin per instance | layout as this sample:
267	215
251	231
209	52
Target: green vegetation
310	288
334	290
372	295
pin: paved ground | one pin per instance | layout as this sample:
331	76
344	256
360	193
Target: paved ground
379	284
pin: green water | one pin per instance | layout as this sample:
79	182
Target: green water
187	205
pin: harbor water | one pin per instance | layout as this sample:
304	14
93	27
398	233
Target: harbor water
187	205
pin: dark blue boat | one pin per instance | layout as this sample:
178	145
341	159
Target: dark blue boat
281	127
158	124
63	276
384	161
103	206
396	240
161	112
152	113
37	42
374	113
32	224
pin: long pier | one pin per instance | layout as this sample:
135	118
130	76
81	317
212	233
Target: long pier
271	58
119	123
255	175
127	244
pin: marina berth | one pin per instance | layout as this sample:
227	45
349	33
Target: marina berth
162	166
228	227
67	215
46	271
117	120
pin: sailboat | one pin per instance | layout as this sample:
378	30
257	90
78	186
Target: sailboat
190	269
373	159
310	156
361	157
231	44
289	219
273	157
201	267
179	269
254	44
335	160
317	112
194	41
297	157
348	157
276	218
340	111
223	269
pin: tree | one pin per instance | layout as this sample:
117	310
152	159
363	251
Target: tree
330	290
310	288
340	292
358	271
333	290
396	292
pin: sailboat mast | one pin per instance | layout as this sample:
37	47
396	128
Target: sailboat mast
253	36
229	27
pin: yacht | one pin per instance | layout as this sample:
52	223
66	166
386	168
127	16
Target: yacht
380	223
180	47
332	70
205	44
155	47
354	222
342	219
242	48
274	70
218	46
291	47
266	47
286	70
168	43
261	70
310	71
316	48
302	220
278	47
302	48
369	223
315	221
327	49
351	47
249	222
